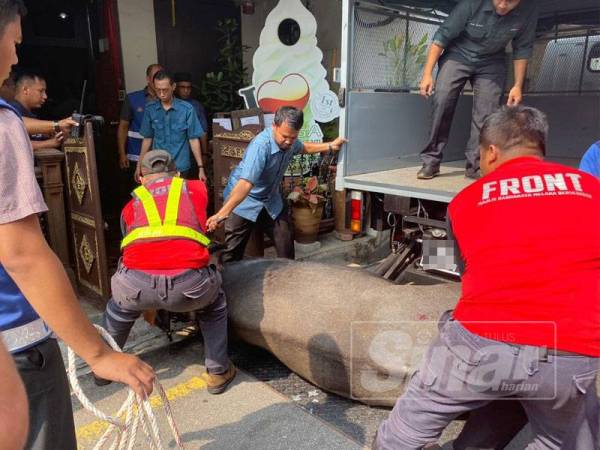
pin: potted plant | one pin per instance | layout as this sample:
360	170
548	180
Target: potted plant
307	209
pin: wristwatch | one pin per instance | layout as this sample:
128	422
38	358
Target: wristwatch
56	126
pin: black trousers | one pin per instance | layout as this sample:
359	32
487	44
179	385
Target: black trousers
190	174
43	373
488	85
238	231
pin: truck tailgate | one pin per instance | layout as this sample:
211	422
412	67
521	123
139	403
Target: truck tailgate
404	182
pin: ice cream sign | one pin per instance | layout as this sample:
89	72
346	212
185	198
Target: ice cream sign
288	70
292	90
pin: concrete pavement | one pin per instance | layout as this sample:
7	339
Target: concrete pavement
249	415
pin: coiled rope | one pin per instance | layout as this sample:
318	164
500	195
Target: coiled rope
137	411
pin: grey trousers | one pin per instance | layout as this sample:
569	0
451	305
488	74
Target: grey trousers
483	430
488	84
194	290
585	434
462	372
43	373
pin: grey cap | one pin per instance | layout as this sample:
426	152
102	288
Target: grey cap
158	161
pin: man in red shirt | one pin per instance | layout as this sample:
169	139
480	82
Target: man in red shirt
165	263
527	325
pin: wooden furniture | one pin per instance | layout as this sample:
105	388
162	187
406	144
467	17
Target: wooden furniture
85	214
50	163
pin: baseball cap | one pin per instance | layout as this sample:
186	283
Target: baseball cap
158	161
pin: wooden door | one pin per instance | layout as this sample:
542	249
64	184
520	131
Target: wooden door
85	214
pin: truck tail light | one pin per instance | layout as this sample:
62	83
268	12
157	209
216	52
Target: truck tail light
356	209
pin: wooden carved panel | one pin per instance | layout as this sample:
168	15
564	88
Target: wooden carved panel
85	216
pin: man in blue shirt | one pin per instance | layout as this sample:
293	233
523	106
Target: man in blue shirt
183	80
171	124
590	162
30	94
253	196
470	46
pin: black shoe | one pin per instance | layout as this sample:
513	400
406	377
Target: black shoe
427	172
473	174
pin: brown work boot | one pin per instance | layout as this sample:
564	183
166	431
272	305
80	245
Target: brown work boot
217	383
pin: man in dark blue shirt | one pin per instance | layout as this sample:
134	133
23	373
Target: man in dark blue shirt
183	80
470	46
171	124
30	94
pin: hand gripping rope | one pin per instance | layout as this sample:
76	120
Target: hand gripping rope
136	410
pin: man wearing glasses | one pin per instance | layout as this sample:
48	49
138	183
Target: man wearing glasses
171	124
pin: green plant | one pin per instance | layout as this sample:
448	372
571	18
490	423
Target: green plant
407	59
330	130
219	90
309	194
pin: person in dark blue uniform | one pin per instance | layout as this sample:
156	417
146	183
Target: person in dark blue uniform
129	139
183	80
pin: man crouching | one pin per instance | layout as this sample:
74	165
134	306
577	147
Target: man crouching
165	263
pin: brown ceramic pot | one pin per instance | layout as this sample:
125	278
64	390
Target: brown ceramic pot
306	223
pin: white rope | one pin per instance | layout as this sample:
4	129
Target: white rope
137	411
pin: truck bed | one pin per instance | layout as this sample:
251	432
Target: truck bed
404	182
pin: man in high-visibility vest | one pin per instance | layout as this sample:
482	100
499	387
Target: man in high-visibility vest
165	263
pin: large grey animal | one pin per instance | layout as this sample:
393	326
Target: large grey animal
343	329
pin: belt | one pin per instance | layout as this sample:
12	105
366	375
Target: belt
148	277
544	352
19	338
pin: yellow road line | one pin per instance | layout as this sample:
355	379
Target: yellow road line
95	429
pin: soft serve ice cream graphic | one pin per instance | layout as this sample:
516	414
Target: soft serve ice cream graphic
290	72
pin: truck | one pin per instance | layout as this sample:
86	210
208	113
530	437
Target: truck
386	121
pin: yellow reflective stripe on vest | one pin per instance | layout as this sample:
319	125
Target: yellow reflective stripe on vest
165	231
156	229
149	206
172	209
